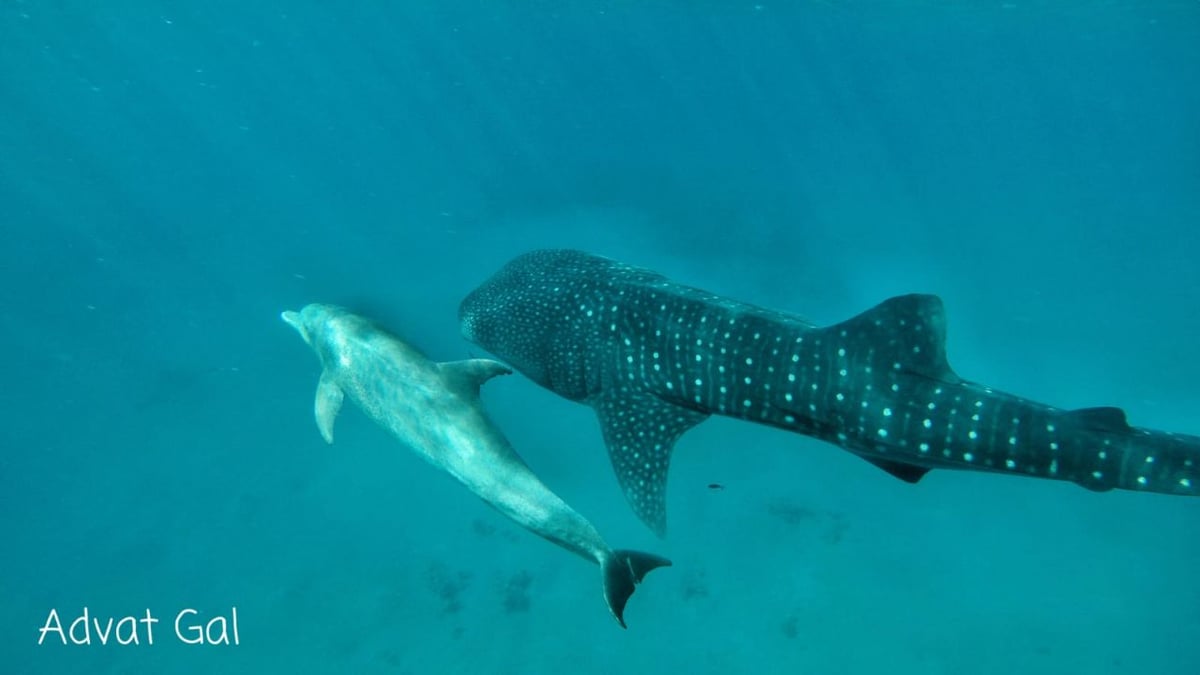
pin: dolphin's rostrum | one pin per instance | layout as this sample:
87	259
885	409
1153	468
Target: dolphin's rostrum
434	409
654	358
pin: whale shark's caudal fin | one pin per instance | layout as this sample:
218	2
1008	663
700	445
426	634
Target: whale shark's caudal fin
327	405
623	571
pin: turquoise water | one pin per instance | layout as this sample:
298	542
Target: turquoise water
174	174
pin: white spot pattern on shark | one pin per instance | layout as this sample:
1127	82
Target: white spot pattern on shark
877	384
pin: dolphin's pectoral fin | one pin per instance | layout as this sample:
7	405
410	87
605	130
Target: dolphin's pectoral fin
327	405
909	473
470	374
640	431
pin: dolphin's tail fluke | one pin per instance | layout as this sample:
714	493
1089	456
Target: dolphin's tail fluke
623	571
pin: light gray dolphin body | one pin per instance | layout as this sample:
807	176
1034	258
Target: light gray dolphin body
434	409
654	358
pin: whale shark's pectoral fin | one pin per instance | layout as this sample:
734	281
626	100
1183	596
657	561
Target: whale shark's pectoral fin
470	374
327	405
640	431
909	473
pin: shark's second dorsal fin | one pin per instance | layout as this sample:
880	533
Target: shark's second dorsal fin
470	374
1104	418
640	431
908	331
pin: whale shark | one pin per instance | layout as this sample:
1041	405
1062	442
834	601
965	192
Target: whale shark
655	358
435	409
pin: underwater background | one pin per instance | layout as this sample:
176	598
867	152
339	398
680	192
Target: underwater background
174	174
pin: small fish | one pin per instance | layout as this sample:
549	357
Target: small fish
716	487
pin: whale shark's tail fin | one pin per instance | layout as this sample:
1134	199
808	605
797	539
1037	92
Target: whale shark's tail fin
623	571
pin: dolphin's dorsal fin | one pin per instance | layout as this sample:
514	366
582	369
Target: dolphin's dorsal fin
640	431
909	330
327	405
470	374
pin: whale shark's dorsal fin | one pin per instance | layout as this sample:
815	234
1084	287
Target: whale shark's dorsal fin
909	330
470	374
327	405
640	431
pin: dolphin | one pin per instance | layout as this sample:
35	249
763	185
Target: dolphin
434	409
655	358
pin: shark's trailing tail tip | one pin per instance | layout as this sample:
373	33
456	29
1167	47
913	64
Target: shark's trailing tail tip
623	571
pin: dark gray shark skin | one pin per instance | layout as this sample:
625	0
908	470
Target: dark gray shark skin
655	358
